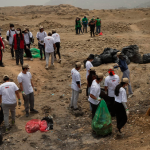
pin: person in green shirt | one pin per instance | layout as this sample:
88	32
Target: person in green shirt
85	23
98	25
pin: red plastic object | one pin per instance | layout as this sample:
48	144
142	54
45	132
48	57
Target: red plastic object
35	125
101	33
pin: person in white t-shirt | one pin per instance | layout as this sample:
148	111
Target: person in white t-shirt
111	82
95	92
120	104
10	33
28	40
26	86
8	93
40	37
76	85
57	43
88	65
49	45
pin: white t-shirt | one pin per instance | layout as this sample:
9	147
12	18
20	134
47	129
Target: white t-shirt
88	66
10	36
49	42
27	37
41	36
111	82
95	90
122	96
25	79
75	78
56	37
7	90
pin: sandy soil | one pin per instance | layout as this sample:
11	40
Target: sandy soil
72	131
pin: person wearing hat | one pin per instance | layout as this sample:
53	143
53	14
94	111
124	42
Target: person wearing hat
56	37
75	85
95	91
111	81
26	86
88	65
28	40
85	23
9	36
121	108
40	37
92	26
126	73
49	45
8	93
2	47
98	25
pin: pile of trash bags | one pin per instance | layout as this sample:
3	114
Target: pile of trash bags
131	54
101	122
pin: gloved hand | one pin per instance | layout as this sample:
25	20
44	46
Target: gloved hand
99	99
27	47
127	112
23	94
35	88
80	90
19	103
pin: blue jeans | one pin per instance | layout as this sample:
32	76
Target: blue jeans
98	29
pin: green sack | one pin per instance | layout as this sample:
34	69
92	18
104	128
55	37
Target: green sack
101	122
35	53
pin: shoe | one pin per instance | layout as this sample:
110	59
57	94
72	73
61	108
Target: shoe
46	67
52	65
2	65
76	109
17	64
59	61
40	58
27	114
33	111
31	59
130	95
13	57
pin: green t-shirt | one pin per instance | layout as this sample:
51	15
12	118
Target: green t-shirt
98	23
79	24
85	21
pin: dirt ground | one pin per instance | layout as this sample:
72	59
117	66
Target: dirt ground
72	131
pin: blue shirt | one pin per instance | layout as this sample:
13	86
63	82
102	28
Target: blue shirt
123	65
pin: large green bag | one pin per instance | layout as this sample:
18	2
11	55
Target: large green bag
35	53
101	122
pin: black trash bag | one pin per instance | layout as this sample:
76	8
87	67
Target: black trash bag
1	115
115	59
97	61
127	59
106	58
146	58
49	121
110	51
1	138
132	52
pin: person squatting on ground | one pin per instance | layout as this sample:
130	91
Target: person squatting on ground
98	25
120	104
85	23
28	40
92	27
19	43
57	43
26	86
88	65
76	85
9	36
126	73
49	46
111	82
1	52
40	37
95	91
8	93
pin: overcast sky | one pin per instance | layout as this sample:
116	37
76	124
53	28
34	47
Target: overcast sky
98	4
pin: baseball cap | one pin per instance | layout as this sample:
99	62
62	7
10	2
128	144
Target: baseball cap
118	54
100	75
78	64
26	66
5	76
125	80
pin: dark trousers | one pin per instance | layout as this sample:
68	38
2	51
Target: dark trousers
19	56
80	30
27	51
92	31
42	50
1	56
98	29
94	108
110	104
12	50
85	28
77	30
87	94
58	50
120	115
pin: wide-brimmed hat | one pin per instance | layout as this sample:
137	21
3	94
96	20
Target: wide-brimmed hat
53	30
78	64
91	56
100	75
92	69
26	66
41	27
125	80
119	53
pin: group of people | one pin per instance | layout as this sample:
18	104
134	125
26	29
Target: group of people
92	24
114	89
9	91
21	41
